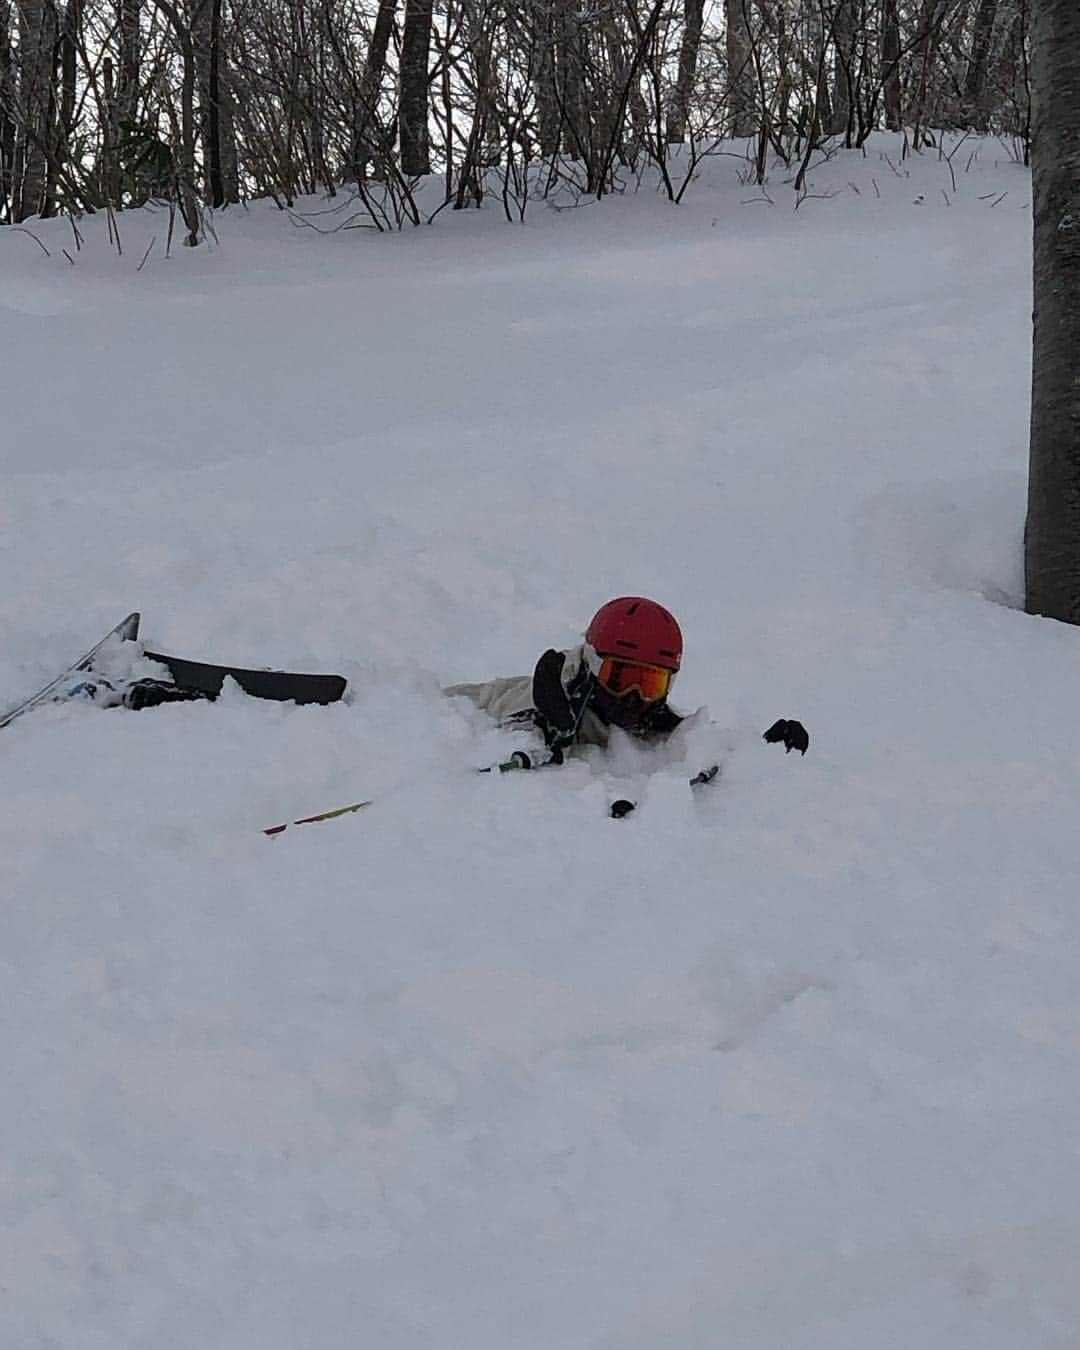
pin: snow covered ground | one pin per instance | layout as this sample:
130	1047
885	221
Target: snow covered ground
792	1063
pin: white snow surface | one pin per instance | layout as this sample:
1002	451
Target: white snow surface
791	1062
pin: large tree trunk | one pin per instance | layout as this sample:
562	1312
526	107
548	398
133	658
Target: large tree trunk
1052	550
413	117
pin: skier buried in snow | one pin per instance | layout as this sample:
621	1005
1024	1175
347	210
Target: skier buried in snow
618	678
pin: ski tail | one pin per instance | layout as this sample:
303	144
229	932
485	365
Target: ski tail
127	630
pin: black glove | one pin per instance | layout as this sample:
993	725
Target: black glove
793	735
150	693
554	715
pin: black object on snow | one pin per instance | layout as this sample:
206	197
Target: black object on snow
284	686
149	693
793	735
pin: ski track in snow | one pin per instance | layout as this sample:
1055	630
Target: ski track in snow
789	1062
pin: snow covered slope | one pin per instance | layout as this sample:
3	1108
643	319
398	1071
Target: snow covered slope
792	1063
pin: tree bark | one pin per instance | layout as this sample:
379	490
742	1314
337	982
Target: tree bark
844	41
413	115
7	124
1052	539
37	102
740	68
547	93
890	63
975	81
679	113
185	168
216	128
366	147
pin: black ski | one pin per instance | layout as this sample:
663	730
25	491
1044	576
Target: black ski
127	630
281	685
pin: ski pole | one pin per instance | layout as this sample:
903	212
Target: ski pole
323	815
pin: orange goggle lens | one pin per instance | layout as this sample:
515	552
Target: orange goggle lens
619	677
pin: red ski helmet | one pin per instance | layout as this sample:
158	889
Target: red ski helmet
637	630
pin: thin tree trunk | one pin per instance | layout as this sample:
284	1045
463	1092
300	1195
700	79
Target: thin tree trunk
740	68
37	103
1052	548
127	85
413	116
823	111
890	63
216	129
844	41
121	95
975	83
924	52
7	124
679	112
185	169
570	80
68	46
365	149
547	94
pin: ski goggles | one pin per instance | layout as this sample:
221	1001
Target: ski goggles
620	676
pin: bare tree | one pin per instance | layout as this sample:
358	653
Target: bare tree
185	124
693	18
118	101
367	143
844	35
36	101
1052	549
975	82
740	66
216	127
8	124
890	63
413	115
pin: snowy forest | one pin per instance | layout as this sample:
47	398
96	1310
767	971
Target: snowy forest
105	104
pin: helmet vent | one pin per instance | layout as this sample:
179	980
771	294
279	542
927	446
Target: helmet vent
622	642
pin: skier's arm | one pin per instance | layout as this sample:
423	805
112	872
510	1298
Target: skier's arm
558	714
